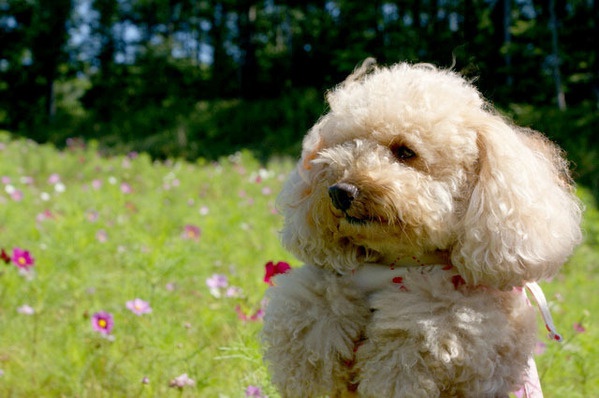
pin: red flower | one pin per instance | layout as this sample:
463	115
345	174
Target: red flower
5	257
275	269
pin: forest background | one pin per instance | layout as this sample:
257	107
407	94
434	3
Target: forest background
192	79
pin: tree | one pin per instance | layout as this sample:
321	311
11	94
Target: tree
555	57
37	38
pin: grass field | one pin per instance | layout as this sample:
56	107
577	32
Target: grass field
190	241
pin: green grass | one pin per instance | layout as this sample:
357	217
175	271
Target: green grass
97	246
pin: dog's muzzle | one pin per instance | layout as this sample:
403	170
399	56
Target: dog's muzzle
342	195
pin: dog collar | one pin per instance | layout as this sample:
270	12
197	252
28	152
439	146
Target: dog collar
372	277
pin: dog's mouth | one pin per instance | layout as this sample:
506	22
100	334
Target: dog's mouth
356	221
362	220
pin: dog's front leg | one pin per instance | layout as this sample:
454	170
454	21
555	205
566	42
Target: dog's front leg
313	320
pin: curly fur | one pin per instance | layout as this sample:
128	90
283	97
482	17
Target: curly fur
496	198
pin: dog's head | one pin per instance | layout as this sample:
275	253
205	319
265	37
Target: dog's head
409	160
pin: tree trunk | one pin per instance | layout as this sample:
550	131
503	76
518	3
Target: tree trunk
507	41
595	33
248	71
555	58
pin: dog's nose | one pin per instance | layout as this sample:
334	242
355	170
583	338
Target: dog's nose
342	195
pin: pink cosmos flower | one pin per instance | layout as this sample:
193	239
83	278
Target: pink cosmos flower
139	306
191	232
22	258
92	216
254	391
217	283
53	179
579	328
233	291
182	381
17	195
126	188
247	317
45	215
275	269
540	348
102	236
103	322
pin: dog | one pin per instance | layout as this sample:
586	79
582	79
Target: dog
421	214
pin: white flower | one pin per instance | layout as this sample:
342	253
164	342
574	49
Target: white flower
26	310
182	381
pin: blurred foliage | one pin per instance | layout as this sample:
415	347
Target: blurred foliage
185	78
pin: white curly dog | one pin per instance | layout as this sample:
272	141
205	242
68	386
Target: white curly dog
421	216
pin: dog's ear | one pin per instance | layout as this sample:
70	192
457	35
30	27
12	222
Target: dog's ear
523	219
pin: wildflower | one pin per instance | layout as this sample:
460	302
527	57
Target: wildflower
45	215
59	187
233	291
22	258
126	188
204	210
275	269
103	322
145	380
246	317
4	257
27	180
578	328
26	309
216	283
16	195
181	381
96	184
92	216
191	232
540	348
53	179
139	306
254	391
102	236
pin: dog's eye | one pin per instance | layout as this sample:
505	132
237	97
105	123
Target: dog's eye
403	153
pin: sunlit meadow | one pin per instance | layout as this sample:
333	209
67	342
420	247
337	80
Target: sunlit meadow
123	277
